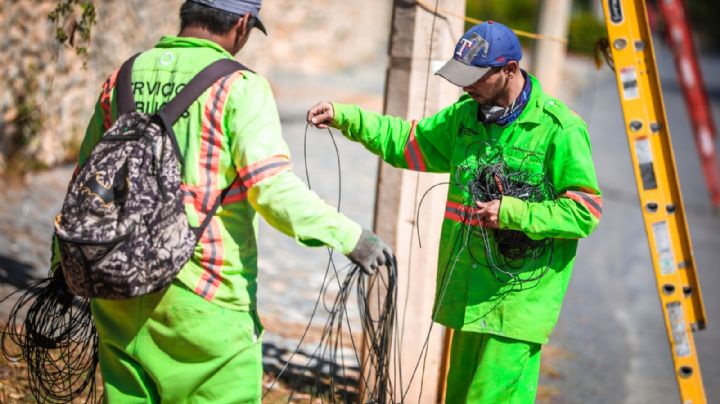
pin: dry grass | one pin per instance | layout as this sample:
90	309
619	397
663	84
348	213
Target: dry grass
551	355
14	384
14	387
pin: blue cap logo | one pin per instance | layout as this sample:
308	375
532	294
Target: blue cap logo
468	49
483	47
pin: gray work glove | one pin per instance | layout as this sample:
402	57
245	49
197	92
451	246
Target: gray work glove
370	253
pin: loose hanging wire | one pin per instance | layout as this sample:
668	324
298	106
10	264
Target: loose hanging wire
327	375
471	20
57	339
330	376
506	251
424	350
512	257
510	246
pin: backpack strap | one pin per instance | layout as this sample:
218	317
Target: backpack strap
125	97
209	216
171	112
178	105
195	88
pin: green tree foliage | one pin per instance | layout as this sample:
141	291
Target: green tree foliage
584	32
516	14
73	20
584	29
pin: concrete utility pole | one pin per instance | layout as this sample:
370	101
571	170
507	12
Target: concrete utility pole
549	56
411	94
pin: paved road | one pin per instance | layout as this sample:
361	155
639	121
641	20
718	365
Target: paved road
610	345
611	336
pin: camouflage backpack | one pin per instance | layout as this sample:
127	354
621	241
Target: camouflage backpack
122	230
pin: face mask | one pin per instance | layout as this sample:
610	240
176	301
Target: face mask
492	113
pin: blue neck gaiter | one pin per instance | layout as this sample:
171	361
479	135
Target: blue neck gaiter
505	116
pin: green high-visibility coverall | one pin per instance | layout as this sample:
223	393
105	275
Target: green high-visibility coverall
199	340
546	140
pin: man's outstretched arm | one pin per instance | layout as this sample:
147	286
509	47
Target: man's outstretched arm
424	145
262	159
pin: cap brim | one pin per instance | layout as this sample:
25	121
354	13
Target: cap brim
460	74
259	25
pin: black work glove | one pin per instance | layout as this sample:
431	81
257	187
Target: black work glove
370	253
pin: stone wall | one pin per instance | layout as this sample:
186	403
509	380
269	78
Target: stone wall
47	92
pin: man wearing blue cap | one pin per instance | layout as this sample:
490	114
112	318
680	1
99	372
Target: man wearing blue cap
199	340
501	309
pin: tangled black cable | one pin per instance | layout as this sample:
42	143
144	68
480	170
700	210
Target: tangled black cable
492	182
379	332
331	377
507	252
490	177
57	339
327	374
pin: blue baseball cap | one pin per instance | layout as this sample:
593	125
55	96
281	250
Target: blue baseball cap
483	47
239	7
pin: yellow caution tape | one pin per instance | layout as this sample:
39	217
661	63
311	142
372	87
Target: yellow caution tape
471	20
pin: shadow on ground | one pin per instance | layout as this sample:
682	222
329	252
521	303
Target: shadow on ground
306	376
15	273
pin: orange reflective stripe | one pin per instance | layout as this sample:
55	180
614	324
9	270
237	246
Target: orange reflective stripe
592	202
461	213
190	196
413	156
207	192
212	138
106	99
256	172
212	261
238	193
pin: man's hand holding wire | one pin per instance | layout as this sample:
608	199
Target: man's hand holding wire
489	213
321	115
370	253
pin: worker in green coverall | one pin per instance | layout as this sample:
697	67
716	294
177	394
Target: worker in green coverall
500	316
199	340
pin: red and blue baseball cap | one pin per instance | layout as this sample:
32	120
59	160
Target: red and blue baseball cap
239	7
483	47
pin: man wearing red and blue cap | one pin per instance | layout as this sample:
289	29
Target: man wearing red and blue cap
199	340
500	321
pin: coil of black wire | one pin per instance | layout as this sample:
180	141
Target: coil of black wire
494	181
329	375
53	332
508	251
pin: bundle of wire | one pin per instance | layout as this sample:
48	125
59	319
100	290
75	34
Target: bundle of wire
508	251
57	339
328	374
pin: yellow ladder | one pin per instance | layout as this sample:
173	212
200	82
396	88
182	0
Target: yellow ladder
658	187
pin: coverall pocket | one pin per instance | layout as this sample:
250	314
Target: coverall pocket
200	331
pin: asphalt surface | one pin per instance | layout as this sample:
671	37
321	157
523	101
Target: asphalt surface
610	344
611	336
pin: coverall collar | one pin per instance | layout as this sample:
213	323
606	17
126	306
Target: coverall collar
170	41
532	114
